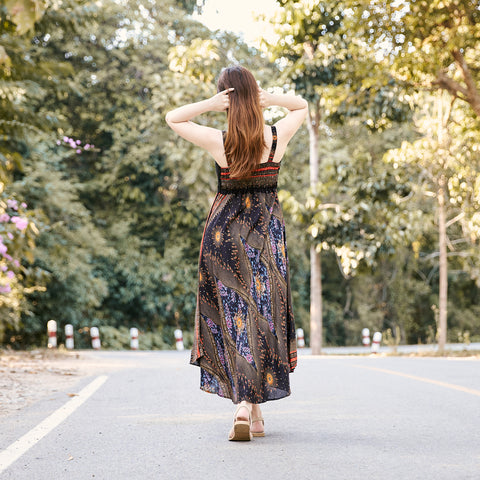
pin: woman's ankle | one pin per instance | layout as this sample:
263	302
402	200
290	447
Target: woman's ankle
256	412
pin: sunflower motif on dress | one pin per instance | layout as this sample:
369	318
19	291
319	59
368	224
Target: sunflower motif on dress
217	235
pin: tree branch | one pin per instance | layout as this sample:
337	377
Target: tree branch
309	50
455	219
444	82
335	206
314	117
473	95
449	244
449	254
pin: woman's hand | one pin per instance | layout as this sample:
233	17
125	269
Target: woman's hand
264	98
220	102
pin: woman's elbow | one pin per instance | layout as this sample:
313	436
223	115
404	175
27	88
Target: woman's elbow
168	119
305	109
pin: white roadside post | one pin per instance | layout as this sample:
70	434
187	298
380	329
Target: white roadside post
52	333
69	336
300	338
377	338
179	339
134	338
95	334
366	337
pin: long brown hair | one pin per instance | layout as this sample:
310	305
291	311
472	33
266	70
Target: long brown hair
244	141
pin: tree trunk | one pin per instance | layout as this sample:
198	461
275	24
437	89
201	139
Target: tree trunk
473	95
315	301
443	266
316	315
443	112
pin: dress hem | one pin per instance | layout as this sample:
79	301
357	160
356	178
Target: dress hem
197	363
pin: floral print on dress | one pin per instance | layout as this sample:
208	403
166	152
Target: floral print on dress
219	343
236	312
260	287
210	384
276	230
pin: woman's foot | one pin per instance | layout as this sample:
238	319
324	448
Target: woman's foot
257	427
242	422
243	411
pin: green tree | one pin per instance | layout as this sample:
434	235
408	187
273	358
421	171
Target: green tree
425	44
129	200
321	61
21	85
447	161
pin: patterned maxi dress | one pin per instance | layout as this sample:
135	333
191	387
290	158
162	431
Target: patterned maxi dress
244	326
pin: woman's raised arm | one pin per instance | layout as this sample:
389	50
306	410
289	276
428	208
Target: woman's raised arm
179	120
297	111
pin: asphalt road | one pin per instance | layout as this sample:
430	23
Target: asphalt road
348	418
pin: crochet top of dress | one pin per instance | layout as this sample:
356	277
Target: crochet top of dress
262	179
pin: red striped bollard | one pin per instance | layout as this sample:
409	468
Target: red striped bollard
95	334
52	333
179	339
377	338
366	337
134	338
300	338
69	336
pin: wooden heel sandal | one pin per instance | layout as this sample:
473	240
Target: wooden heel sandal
241	428
258	434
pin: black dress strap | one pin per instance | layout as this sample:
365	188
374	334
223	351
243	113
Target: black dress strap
274	143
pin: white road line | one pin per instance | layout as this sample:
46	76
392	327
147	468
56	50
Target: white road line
452	386
23	444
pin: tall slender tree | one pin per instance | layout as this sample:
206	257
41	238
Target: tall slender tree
309	52
319	58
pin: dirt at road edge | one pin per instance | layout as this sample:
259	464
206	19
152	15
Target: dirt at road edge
28	376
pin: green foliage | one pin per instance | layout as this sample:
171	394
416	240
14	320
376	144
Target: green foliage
424	43
121	215
119	339
23	13
115	221
446	151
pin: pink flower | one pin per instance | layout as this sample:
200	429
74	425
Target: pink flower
9	235
3	249
4	217
3	268
5	288
12	203
78	150
23	205
8	257
59	142
66	139
16	263
21	223
87	146
10	274
78	142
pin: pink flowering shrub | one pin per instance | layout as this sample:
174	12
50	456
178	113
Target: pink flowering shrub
15	242
75	144
21	223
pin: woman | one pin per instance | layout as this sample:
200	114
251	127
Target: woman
244	327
